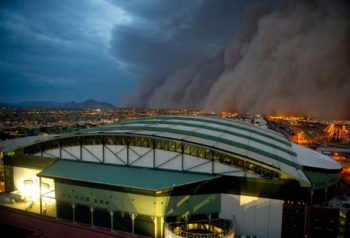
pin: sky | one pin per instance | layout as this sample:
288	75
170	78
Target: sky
248	56
77	50
60	50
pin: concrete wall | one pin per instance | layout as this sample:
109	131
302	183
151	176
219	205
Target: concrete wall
253	216
136	203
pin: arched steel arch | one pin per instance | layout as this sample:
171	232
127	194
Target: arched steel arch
181	150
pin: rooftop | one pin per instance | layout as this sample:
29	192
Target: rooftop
242	139
149	179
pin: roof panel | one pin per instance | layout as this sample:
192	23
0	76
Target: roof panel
211	127
262	147
227	128
210	132
314	159
183	128
274	142
235	138
148	179
170	135
294	172
190	122
199	141
13	144
232	123
242	124
237	130
232	149
285	156
263	159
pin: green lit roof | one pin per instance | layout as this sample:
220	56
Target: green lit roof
223	135
226	136
232	136
132	177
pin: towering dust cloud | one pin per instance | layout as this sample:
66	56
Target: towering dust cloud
292	60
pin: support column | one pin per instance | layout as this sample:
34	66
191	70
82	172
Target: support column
92	215
312	194
81	149
209	221
182	156
133	217
127	153
336	189
111	213
60	150
212	166
325	195
161	226
103	150
154	152
40	198
73	207
185	217
154	219
305	218
212	162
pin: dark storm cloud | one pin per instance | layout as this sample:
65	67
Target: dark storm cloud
293	59
167	35
58	50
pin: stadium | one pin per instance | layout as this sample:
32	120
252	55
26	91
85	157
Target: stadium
173	176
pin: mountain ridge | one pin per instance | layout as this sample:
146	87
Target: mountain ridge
90	103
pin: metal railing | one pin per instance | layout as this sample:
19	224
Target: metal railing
215	228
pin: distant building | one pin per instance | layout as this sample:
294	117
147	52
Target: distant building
260	122
175	176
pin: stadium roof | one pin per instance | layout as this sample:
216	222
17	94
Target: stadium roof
261	146
232	136
236	137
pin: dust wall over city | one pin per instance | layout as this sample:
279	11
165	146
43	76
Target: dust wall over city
293	59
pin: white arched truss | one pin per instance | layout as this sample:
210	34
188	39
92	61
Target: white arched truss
150	153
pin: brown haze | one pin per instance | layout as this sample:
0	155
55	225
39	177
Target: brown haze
293	60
